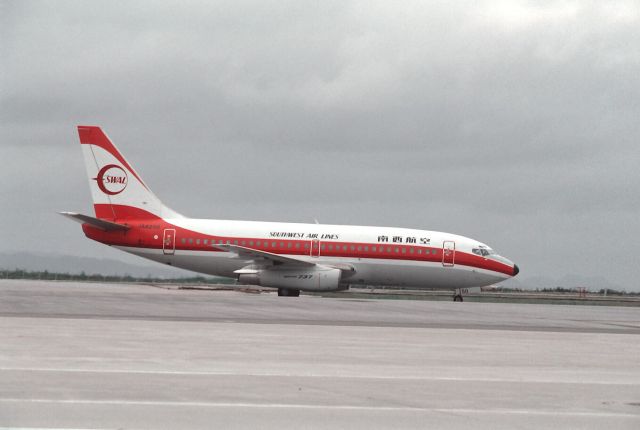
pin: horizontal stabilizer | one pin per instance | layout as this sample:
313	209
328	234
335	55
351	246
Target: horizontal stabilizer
95	222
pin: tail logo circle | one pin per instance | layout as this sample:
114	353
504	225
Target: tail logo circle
112	179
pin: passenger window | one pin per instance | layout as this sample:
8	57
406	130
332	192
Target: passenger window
243	243
228	242
397	250
251	243
411	250
344	247
306	246
359	248
197	241
297	245
273	244
353	248
289	245
281	244
404	250
366	249
434	252
419	251
330	247
323	247
374	249
184	240
190	241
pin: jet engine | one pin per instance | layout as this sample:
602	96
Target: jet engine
316	278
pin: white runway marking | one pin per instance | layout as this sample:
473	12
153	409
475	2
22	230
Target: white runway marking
49	428
520	379
332	407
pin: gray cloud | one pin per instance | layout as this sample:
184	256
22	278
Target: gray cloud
512	122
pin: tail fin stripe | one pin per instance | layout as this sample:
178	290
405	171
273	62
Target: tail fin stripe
95	136
116	188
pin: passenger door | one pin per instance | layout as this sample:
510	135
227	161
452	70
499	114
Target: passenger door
448	253
169	241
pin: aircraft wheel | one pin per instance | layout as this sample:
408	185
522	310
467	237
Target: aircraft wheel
288	292
458	298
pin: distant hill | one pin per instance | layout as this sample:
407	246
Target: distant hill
89	265
593	283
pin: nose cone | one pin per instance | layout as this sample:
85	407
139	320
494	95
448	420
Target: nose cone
516	270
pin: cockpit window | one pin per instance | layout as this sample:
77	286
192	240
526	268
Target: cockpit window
482	251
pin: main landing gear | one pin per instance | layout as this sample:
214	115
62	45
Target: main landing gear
457	296
288	292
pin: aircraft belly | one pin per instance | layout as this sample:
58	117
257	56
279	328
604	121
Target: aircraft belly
210	263
419	275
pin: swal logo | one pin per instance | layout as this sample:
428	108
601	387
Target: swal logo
112	179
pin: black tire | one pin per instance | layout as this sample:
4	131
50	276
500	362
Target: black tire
458	298
288	292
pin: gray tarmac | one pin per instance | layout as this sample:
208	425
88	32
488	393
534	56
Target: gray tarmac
98	356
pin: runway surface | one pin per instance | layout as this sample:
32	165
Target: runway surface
78	355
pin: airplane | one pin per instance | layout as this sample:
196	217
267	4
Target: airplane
291	257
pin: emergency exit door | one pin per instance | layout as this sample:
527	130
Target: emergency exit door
315	248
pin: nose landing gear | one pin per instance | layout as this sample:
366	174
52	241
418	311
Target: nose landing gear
457	295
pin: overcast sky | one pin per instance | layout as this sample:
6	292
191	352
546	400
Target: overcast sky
515	123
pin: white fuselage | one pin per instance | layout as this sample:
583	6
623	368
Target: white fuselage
312	242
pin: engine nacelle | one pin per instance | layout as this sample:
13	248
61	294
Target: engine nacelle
317	278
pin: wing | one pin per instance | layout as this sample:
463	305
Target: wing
244	252
256	255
